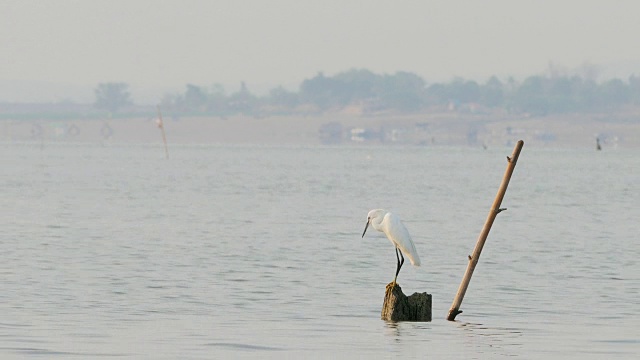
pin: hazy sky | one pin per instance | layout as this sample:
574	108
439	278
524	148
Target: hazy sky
159	46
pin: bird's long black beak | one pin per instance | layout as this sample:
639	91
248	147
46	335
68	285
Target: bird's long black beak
365	228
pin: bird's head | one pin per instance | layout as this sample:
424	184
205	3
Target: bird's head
374	215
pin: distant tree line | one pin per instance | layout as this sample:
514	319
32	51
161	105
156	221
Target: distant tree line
403	92
112	97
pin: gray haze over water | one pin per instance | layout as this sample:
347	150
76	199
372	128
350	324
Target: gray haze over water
255	251
56	51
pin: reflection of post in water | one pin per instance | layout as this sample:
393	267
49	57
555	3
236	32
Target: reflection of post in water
164	137
502	338
397	331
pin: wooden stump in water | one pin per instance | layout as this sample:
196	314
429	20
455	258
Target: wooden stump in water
398	307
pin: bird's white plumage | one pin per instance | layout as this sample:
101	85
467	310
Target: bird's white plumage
396	232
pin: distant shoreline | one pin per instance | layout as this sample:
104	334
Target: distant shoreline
439	129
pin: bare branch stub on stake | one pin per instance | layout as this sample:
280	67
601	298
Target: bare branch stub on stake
493	212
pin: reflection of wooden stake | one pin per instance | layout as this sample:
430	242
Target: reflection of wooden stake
164	137
495	209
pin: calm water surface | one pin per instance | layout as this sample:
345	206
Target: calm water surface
248	251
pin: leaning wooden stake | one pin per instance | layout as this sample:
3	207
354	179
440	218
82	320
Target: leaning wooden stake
493	212
164	137
398	307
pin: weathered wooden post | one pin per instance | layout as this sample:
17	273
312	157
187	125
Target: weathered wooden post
398	307
493	212
164	137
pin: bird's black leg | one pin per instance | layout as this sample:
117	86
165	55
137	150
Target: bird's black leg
397	268
399	264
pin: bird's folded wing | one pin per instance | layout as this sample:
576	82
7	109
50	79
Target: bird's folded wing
399	234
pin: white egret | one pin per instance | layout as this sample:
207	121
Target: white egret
397	233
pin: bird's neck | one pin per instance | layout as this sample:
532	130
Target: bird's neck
377	224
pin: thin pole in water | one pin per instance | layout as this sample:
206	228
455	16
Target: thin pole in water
495	210
164	137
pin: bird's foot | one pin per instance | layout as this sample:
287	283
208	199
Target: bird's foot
393	284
